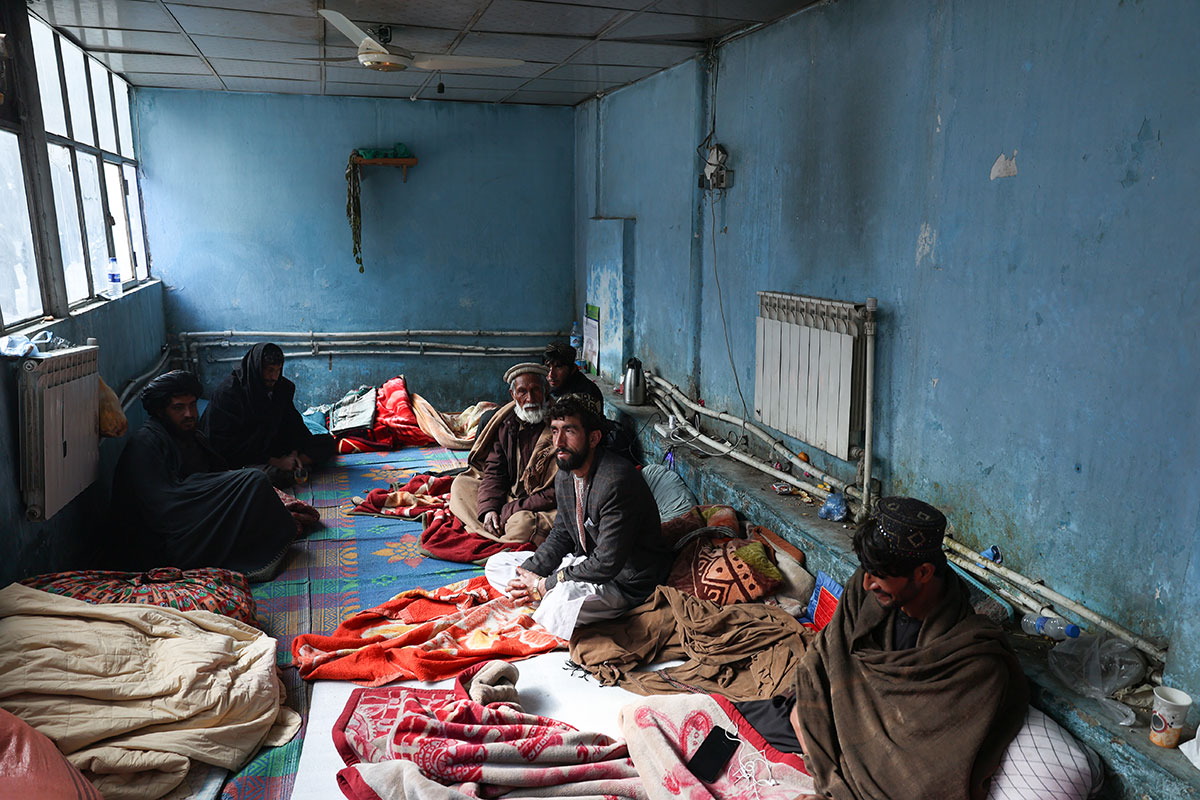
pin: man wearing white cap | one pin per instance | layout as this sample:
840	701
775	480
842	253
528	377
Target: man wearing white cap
508	492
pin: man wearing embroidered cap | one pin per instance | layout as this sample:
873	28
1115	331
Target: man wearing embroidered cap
907	692
508	492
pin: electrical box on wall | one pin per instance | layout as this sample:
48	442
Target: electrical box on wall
716	175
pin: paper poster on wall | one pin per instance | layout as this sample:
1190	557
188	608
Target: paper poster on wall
591	338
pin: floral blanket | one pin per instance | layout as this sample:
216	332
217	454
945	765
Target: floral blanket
664	731
405	744
424	635
422	493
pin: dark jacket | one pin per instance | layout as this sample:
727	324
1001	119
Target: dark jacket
505	464
246	424
622	529
579	383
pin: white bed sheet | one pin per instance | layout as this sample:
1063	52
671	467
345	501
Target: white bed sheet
545	688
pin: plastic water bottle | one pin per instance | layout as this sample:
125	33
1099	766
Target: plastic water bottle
114	278
1055	628
576	336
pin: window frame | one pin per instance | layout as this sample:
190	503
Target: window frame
51	271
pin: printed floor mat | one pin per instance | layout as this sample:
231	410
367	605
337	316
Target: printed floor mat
350	564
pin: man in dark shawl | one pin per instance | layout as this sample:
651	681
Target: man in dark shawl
564	375
252	420
907	692
175	504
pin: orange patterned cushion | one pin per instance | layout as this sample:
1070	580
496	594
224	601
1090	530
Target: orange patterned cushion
724	571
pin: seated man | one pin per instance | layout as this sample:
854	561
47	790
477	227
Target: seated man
605	553
564	375
508	492
175	505
252	420
907	692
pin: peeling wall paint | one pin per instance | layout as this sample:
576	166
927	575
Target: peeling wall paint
1004	166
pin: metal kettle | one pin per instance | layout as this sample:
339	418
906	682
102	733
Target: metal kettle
635	383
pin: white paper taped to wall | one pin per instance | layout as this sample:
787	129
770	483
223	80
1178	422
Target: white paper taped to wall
1004	167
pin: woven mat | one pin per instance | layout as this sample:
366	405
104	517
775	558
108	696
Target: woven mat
349	565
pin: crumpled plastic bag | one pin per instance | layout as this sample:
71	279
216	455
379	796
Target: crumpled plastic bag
834	508
112	417
21	346
1098	666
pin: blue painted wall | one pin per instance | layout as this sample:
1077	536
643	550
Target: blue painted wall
131	333
1037	367
245	202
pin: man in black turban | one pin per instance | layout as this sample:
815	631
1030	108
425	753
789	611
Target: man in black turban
175	504
252	420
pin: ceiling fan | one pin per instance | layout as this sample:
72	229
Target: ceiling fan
376	54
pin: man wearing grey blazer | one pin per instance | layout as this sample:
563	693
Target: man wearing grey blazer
620	557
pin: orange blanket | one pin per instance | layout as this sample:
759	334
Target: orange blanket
424	635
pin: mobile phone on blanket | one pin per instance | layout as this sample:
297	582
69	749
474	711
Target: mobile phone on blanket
713	754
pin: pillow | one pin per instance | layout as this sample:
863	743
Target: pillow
792	595
1045	760
671	494
220	591
34	769
724	571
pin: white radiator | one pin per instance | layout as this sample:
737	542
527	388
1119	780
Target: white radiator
810	371
60	430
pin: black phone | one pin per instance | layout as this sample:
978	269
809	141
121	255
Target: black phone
713	754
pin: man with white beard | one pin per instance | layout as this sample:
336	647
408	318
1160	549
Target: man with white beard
508	492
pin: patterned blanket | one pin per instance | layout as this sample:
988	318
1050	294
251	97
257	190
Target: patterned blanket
663	732
401	744
422	493
424	635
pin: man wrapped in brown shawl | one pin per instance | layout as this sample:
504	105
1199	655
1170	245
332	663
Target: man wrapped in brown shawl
883	717
508	492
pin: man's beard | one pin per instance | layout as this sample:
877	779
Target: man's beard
532	414
571	459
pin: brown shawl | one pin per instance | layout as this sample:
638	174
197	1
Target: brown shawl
931	722
538	474
744	651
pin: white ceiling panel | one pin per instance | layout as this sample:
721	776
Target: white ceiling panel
639	54
159	79
522	16
360	74
449	14
750	10
96	39
370	90
150	62
547	98
255	49
674	27
269	86
298	8
529	48
247	24
604	73
572	49
232	67
142	15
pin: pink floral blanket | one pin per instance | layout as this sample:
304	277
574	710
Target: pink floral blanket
664	731
428	744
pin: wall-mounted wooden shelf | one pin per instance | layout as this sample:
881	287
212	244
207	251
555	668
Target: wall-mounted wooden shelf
402	163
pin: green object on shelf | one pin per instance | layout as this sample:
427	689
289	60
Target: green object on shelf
399	151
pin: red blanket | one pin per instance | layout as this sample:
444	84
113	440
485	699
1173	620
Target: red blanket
421	494
424	635
395	423
401	744
445	537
